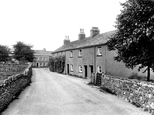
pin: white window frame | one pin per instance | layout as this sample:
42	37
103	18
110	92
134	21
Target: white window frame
99	69
44	58
99	51
80	69
80	53
71	67
71	54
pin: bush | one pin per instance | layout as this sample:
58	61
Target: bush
57	64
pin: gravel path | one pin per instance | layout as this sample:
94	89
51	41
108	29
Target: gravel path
56	94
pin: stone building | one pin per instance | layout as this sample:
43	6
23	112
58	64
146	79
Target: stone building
41	58
90	54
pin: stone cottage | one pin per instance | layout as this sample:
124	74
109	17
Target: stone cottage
88	55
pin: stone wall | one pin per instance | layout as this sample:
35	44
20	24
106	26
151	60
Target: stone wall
12	67
139	93
12	87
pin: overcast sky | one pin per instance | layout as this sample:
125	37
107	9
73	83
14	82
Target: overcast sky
45	23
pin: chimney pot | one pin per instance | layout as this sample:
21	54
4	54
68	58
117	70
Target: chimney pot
66	40
81	34
94	31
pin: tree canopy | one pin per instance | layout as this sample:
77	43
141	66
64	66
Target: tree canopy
134	39
4	53
57	64
23	52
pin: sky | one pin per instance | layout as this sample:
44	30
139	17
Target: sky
45	23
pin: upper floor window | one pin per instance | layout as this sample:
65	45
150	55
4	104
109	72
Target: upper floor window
44	58
80	53
71	54
99	51
99	69
36	58
80	68
71	67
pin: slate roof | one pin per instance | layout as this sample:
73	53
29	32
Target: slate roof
87	42
42	52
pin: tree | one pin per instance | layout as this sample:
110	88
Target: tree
57	64
4	53
23	52
134	39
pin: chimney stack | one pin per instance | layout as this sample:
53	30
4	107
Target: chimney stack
44	49
94	31
81	34
66	40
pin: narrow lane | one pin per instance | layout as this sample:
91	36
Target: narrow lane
56	94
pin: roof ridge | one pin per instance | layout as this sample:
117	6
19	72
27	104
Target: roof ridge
86	42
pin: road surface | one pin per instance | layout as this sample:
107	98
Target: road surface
56	94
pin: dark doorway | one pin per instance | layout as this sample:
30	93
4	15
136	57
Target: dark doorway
68	69
85	68
37	64
91	69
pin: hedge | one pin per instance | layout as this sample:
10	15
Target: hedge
57	64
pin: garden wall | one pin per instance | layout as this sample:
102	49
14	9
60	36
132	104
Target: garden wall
12	87
139	93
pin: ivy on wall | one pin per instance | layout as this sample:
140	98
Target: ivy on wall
57	64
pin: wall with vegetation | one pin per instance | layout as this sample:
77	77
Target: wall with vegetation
11	87
139	93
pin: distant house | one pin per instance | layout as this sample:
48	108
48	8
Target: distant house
41	58
88	55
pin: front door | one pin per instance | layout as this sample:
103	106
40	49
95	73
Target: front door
37	64
91	69
85	68
68	69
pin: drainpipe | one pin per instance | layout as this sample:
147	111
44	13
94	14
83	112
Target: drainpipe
95	59
65	63
105	61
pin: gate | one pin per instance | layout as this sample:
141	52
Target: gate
98	79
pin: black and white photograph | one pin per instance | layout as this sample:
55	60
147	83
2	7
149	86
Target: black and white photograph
76	57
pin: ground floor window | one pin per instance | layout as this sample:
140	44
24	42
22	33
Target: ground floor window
42	64
80	68
99	69
71	67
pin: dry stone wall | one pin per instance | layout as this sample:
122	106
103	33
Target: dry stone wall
139	93
12	87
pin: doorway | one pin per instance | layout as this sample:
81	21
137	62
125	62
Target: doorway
91	69
37	64
85	68
68	69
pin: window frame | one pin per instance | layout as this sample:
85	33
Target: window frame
99	51
80	69
71	54
44	58
71	68
99	69
80	53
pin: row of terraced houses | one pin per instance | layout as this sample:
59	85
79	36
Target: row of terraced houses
89	55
